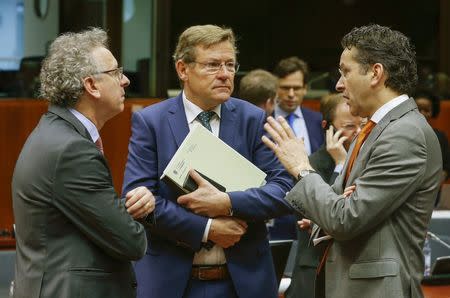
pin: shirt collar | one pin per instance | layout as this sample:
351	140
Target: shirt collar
280	112
192	110
91	128
387	107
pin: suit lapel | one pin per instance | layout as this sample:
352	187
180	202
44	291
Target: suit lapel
393	115
65	114
177	120
228	120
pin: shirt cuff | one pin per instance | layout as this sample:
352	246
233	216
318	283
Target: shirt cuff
338	168
206	232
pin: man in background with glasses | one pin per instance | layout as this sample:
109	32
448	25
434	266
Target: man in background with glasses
75	237
292	76
207	243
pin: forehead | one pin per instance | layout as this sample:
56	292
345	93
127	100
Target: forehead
343	113
295	78
104	57
347	57
220	51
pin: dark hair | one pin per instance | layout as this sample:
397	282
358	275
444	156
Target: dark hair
328	105
392	49
435	102
258	86
290	65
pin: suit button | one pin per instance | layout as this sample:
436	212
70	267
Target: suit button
134	285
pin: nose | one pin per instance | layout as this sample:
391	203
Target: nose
340	85
125	82
291	92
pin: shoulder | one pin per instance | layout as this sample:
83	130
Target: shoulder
243	108
308	113
162	106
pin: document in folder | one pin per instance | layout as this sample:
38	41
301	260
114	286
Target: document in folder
217	162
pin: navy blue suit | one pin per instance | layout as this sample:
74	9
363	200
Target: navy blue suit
285	227
157	132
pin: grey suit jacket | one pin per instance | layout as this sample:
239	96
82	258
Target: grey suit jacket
74	237
380	229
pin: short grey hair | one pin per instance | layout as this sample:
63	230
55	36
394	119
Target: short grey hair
68	62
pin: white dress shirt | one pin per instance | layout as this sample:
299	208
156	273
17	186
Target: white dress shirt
215	255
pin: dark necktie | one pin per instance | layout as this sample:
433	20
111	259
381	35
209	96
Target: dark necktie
99	144
290	119
204	118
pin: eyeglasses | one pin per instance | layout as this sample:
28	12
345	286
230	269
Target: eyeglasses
215	67
116	72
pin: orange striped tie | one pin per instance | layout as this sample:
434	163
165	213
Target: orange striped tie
362	136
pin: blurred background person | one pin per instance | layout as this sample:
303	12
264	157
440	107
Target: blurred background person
260	88
292	76
429	106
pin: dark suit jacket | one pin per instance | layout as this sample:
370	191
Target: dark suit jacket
285	227
157	132
308	257
74	238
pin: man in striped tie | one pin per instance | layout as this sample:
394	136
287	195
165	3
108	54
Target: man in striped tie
392	172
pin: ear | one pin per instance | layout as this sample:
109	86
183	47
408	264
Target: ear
91	87
324	124
378	75
182	70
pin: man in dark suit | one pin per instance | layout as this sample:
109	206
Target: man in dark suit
207	243
75	237
292	76
328	162
378	208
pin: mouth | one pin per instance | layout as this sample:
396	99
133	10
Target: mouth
222	87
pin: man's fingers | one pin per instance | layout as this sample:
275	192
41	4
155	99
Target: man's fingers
341	141
241	222
338	134
197	177
269	143
286	127
272	132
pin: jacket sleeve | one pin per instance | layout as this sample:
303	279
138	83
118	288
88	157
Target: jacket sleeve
265	202
172	221
83	191
395	169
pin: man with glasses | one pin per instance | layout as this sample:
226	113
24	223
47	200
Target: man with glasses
292	76
74	236
207	243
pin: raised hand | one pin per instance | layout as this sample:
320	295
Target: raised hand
335	145
289	149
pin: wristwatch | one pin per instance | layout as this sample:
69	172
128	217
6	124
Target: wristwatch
304	173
